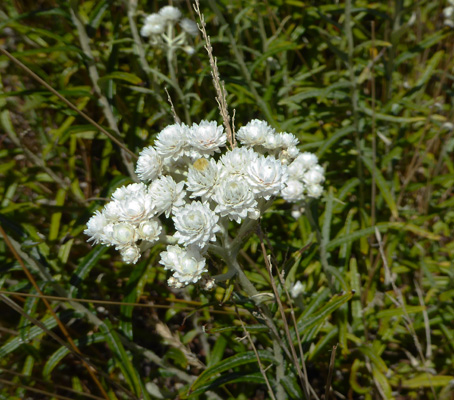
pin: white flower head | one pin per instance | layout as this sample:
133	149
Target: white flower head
293	151
167	195
187	265
293	191
288	139
149	164
301	164
266	176
203	176
314	176
314	191
297	289
235	199
254	133
188	50
154	25
307	160
273	142
287	155
189	26
124	192
235	162
196	224
207	137
130	254
297	211
170	13
123	234
172	142
132	204
95	227
150	230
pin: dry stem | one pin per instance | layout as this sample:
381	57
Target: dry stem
218	84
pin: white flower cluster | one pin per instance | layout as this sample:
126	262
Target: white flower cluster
188	179
448	14
160	29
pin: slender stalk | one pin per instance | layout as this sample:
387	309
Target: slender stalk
221	94
176	85
354	98
374	147
262	370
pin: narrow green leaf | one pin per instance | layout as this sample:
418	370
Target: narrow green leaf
234	377
56	216
427	380
122	359
218	351
320	316
85	266
231	362
122	76
382	185
398	312
62	352
48	321
133	292
333	139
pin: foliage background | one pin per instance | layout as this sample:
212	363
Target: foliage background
372	98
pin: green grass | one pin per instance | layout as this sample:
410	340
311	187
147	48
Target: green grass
372	98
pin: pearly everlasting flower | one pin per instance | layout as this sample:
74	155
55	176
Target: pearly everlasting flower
314	191
297	211
297	289
272	142
288	140
235	162
189	50
130	254
293	191
95	227
172	142
154	25
149	164
203	177
254	133
187	265
167	195
123	234
133	189
307	160
301	164
132	204
314	176
196	224
235	199
189	26
207	137
170	13
292	151
287	155
266	176
150	230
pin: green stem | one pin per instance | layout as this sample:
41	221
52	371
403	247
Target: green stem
354	98
173	76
